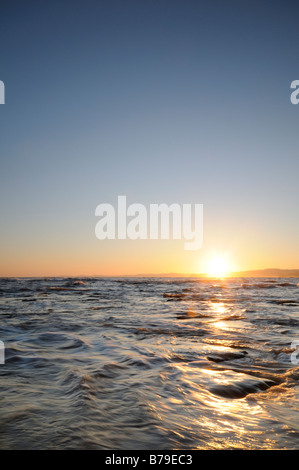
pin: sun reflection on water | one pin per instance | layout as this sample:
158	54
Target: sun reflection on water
218	308
221	418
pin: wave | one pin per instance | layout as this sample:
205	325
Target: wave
226	356
242	388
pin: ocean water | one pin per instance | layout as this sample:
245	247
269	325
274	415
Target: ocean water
149	363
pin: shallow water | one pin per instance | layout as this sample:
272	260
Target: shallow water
149	364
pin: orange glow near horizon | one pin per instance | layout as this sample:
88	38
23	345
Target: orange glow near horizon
129	257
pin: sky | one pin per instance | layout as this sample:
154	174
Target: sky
183	102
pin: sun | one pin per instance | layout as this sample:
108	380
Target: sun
218	266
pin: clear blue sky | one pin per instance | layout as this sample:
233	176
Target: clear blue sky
163	101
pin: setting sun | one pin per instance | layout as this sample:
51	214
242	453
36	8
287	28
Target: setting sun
218	267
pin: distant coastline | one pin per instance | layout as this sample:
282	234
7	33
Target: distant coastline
269	272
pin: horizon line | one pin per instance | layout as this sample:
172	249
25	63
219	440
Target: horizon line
272	272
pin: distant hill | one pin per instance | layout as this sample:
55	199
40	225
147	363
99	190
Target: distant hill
270	272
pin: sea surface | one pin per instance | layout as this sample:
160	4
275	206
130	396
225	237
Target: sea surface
149	363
